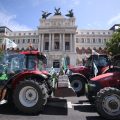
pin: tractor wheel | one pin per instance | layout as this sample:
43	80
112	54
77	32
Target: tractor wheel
30	97
108	103
78	84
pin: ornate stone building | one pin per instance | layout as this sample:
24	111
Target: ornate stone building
58	37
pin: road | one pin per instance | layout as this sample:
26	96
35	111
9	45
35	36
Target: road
70	108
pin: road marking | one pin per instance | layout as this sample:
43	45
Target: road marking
69	104
60	104
83	104
3	102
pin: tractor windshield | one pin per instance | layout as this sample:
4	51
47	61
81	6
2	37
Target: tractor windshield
11	63
100	61
15	62
36	61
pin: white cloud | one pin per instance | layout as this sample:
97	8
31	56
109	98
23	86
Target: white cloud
114	20
10	22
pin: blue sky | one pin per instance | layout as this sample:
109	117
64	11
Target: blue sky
90	14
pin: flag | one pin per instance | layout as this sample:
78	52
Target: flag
9	43
95	53
95	69
64	63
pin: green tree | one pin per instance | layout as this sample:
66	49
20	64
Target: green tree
113	45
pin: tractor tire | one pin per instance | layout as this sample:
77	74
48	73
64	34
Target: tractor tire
78	84
30	97
108	103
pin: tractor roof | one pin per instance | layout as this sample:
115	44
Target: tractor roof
30	52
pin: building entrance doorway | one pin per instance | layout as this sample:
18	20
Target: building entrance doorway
56	64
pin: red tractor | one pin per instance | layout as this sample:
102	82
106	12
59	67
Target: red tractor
24	82
104	91
109	78
80	75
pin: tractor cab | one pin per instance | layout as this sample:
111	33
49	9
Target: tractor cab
101	61
15	63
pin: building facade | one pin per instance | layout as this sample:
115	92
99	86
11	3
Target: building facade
58	37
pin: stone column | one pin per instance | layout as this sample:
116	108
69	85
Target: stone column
71	43
60	39
50	42
42	42
53	41
63	42
74	49
39	44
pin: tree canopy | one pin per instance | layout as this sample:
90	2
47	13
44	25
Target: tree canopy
113	45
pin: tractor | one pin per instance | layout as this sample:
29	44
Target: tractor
104	91
109	78
24	81
80	75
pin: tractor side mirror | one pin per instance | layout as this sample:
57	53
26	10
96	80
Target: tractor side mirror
42	58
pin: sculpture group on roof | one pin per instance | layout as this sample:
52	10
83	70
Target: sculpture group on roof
45	14
57	12
70	13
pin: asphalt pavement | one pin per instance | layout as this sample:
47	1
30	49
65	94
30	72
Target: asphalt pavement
70	108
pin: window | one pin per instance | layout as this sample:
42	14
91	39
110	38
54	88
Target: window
28	40
88	40
23	40
56	64
82	40
93	33
77	40
46	45
93	40
67	45
99	40
33	40
56	45
105	40
18	41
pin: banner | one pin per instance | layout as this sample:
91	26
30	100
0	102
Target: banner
9	43
95	53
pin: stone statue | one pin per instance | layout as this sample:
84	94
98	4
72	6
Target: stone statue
70	13
57	11
45	14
